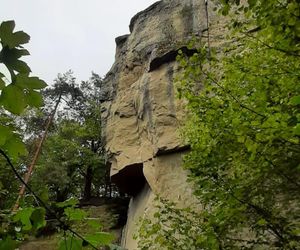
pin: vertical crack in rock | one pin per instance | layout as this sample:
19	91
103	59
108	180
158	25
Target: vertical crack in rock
170	90
147	109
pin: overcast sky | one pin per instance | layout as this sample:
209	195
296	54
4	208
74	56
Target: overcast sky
71	34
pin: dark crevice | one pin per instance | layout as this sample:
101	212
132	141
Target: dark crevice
169	57
130	179
167	151
170	91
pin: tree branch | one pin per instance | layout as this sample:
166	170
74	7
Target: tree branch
62	225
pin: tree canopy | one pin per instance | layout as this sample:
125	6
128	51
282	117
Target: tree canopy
71	165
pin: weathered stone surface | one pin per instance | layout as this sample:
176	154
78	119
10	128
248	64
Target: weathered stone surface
140	111
166	177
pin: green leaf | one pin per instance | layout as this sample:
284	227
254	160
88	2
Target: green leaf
9	55
19	66
67	203
44	195
8	244
225	9
13	99
241	139
94	224
15	147
6	29
19	37
5	134
10	39
71	243
23	215
261	222
10	58
34	99
100	238
75	213
26	82
295	100
297	129
38	218
296	232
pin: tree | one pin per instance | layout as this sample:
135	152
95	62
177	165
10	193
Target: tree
72	156
18	91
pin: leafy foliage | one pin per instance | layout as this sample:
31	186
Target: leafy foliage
70	243
94	237
170	228
17	93
243	131
8	243
72	162
19	90
243	128
17	227
30	218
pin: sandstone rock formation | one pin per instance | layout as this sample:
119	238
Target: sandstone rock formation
140	111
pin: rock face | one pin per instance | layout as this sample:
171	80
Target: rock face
140	112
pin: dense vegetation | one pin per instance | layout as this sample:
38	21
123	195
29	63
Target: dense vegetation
53	135
243	128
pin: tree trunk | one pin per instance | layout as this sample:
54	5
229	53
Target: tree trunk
36	155
88	183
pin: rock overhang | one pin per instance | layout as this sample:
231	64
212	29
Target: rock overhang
141	114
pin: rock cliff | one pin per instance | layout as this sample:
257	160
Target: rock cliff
140	112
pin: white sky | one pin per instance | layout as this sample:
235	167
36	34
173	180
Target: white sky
71	34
